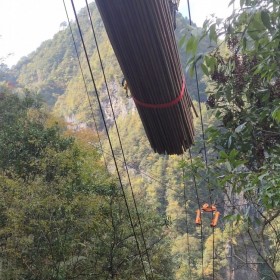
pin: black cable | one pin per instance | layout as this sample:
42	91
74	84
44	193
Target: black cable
204	144
85	84
187	221
119	138
152	177
109	139
201	226
231	240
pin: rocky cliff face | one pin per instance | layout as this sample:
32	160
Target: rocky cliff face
242	257
121	104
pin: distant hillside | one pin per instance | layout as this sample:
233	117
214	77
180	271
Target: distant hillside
52	70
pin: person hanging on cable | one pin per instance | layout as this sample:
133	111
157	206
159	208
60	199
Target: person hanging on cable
125	86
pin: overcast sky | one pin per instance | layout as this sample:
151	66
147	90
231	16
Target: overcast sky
24	24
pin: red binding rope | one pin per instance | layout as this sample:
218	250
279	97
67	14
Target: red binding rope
163	105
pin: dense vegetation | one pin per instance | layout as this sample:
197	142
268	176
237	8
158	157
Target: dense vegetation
62	215
244	96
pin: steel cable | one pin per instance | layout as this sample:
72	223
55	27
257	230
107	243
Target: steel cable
109	139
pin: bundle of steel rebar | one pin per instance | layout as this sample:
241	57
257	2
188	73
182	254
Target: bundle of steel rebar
142	35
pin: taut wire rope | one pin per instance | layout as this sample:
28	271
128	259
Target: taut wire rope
119	139
187	221
201	226
109	140
85	84
204	145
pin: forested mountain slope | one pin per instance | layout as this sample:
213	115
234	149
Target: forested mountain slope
167	188
62	214
53	68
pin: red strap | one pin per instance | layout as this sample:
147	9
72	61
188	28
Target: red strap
163	105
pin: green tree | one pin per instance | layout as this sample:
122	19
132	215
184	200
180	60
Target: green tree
243	94
62	215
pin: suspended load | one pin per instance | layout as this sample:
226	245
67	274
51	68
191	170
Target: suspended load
142	35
